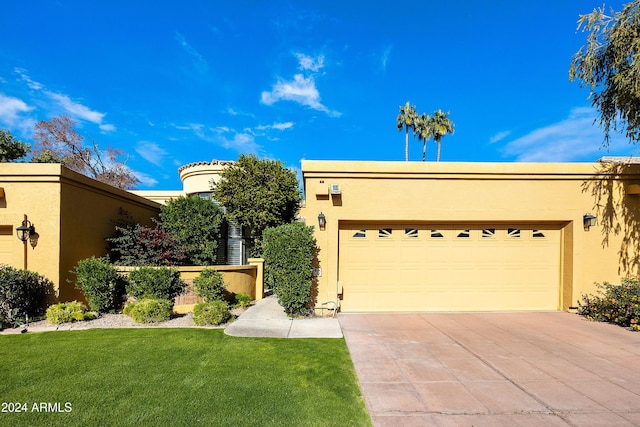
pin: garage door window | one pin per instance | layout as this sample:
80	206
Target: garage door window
411	233
436	234
384	233
537	234
464	234
489	233
360	234
513	233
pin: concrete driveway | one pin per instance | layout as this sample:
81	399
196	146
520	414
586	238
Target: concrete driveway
495	369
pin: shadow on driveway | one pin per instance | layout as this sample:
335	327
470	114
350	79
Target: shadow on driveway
495	369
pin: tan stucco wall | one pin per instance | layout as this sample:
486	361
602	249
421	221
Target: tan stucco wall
72	213
238	279
559	193
34	191
159	196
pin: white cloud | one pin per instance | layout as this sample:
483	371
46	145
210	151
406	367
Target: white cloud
277	126
310	63
573	139
301	90
151	152
11	110
499	136
69	106
76	109
30	83
239	141
199	63
107	128
233	112
145	179
385	58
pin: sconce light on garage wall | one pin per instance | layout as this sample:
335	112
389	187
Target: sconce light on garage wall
588	221
322	221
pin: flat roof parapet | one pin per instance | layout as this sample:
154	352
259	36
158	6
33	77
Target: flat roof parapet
620	159
213	162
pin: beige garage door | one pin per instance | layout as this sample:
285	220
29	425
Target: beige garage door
449	267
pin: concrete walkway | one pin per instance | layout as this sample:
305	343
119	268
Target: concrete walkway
266	318
495	369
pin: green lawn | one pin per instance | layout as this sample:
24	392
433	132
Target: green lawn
177	377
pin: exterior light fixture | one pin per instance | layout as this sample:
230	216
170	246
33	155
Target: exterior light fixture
588	221
27	232
322	221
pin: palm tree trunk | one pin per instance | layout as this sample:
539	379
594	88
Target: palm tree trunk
406	145
438	156
424	151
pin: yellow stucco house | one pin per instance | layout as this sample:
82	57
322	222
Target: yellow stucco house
392	236
399	237
71	214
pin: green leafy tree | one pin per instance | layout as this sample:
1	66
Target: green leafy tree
11	148
195	224
406	120
440	125
609	66
423	130
258	193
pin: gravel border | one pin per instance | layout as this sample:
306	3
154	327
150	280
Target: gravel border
106	321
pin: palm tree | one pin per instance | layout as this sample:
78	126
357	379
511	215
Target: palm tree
423	130
440	126
405	120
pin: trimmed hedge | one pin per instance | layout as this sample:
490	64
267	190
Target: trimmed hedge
211	313
288	252
22	293
102	285
209	285
67	312
155	282
149	310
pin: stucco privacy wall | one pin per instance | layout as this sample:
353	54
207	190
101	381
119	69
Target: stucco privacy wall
72	214
245	279
558	194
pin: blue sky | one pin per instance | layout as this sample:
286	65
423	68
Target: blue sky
172	83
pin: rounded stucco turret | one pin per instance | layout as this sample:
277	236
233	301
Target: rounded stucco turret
196	177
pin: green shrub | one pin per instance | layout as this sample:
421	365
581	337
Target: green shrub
149	310
22	293
101	284
288	253
67	312
209	285
155	282
211	313
242	300
619	304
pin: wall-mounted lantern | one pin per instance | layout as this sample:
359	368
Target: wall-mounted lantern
588	221
27	232
322	221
